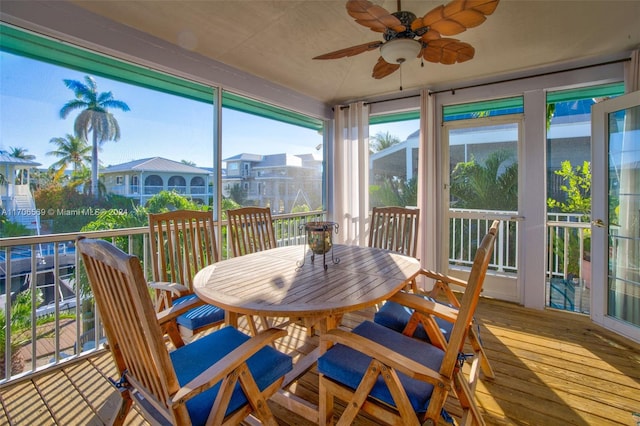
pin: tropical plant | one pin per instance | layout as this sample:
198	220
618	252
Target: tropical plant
94	117
577	189
238	194
82	178
489	186
169	200
382	140
21	153
20	327
394	192
71	150
12	229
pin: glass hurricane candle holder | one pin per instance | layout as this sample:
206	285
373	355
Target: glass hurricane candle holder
320	241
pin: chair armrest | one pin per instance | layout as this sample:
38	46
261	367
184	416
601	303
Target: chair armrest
442	277
226	365
425	306
177	290
394	360
174	311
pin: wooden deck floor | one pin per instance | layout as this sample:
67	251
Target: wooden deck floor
552	368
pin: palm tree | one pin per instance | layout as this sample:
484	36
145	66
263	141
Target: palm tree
94	117
383	141
490	186
70	150
22	154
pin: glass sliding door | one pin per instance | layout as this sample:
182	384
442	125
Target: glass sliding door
616	218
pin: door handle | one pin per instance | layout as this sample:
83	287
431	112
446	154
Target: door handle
599	223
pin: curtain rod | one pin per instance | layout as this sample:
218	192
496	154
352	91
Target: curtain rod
453	90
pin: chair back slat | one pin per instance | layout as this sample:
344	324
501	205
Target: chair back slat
182	243
250	230
470	299
122	297
395	229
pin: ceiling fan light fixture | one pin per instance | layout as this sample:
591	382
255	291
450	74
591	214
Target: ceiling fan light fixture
399	50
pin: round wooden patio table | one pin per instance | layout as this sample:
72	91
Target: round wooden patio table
272	283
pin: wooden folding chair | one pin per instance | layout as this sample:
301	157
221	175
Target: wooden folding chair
395	229
250	230
398	379
182	243
221	378
397	317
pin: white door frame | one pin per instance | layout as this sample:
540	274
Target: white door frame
600	206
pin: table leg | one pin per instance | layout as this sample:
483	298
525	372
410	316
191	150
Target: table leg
231	318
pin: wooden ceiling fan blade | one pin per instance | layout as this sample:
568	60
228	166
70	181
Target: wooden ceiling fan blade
430	36
456	16
383	68
373	16
485	6
351	51
448	51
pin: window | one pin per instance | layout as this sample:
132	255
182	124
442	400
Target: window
165	110
393	159
282	166
161	108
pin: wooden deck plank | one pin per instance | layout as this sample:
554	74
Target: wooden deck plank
62	398
552	368
25	405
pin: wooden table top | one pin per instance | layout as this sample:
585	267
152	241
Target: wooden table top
270	282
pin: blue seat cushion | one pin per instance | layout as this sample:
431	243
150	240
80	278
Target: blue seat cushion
395	316
201	316
347	366
267	365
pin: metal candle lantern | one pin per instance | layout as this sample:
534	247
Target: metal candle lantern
320	240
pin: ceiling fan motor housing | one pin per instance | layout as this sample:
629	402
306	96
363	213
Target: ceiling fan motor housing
406	18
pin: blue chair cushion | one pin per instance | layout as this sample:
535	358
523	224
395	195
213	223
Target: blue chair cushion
201	316
395	316
266	366
347	366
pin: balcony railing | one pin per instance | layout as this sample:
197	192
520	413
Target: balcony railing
64	327
568	262
466	229
36	335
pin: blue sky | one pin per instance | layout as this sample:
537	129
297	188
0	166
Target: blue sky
32	93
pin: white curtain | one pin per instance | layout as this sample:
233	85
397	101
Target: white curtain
428	241
351	172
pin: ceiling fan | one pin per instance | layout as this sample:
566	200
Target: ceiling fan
407	36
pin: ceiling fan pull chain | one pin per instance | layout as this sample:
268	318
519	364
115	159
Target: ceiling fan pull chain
401	78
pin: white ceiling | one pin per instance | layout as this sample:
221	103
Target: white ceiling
276	40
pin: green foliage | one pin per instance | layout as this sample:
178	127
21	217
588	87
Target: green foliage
488	186
70	150
394	192
238	195
166	201
382	140
577	187
94	118
67	210
20	326
12	229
